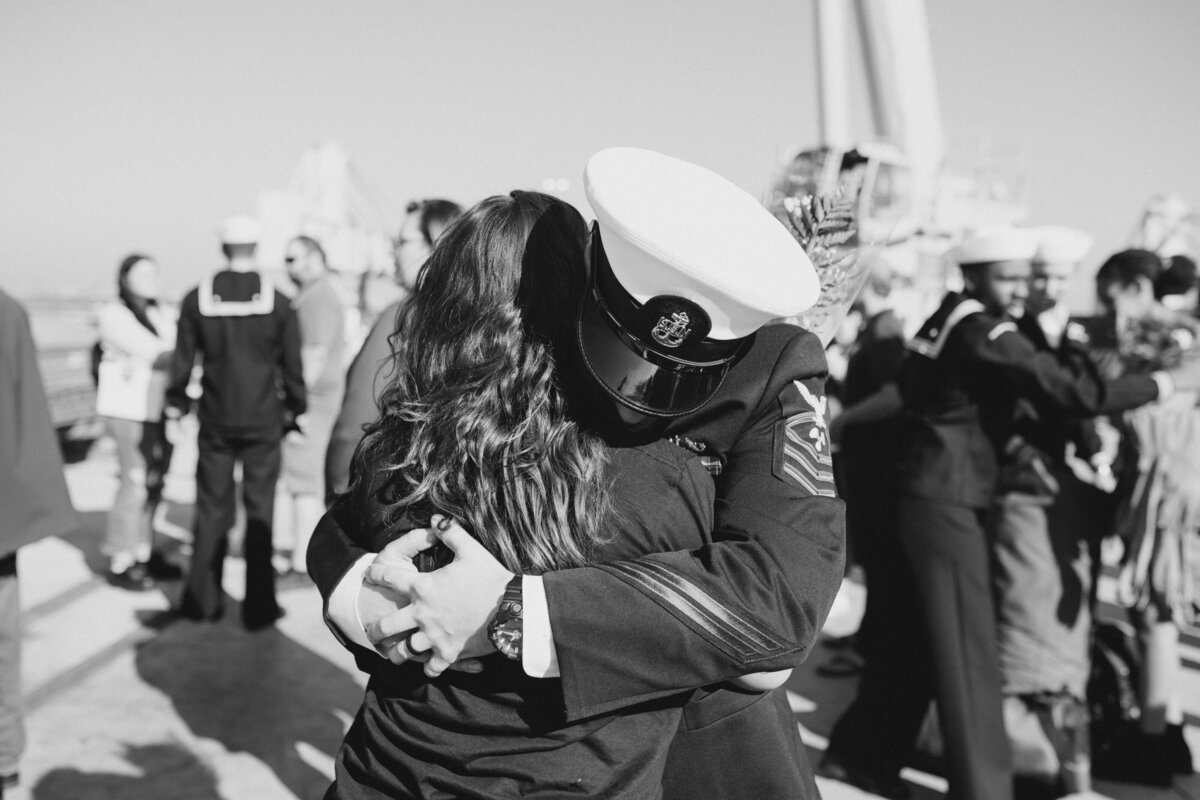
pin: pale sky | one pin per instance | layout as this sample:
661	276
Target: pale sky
139	124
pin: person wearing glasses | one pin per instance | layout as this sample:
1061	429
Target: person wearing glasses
300	499
666	353
424	223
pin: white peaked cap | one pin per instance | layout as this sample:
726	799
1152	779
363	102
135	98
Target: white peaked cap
1061	245
239	230
673	228
989	245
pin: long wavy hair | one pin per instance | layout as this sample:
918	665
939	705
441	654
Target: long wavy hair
474	422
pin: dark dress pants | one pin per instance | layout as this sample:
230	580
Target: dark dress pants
877	732
937	641
203	597
948	549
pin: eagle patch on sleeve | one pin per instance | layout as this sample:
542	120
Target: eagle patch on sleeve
802	455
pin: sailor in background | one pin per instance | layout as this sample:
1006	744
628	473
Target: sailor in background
245	335
1045	525
968	367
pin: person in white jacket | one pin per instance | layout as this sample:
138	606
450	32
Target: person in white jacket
137	337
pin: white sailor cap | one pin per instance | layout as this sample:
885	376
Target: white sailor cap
674	228
990	245
1057	244
239	230
686	266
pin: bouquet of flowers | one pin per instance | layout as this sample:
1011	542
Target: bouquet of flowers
1160	518
826	225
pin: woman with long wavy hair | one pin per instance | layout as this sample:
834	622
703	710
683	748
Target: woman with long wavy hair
478	425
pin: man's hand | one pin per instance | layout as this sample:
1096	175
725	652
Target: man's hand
376	602
451	606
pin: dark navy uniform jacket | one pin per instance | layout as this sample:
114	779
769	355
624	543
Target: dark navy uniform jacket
961	385
249	342
1034	452
753	596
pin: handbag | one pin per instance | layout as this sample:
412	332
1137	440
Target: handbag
130	390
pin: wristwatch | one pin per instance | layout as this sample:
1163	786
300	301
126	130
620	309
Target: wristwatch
507	628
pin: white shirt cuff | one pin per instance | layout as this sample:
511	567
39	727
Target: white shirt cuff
538	657
1166	384
343	603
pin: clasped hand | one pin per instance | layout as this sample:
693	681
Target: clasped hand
445	620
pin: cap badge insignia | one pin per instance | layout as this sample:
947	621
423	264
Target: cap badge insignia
671	331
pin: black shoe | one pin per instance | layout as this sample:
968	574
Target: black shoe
160	569
134	579
1179	755
890	786
258	621
1141	758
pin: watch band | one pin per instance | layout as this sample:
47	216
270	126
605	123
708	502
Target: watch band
506	630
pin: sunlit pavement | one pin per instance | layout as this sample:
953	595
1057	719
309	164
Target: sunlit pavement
125	703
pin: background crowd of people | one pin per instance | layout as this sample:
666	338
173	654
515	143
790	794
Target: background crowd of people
984	463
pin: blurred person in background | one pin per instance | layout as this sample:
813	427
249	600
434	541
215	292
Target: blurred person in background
1160	509
1045	531
34	504
137	337
245	335
300	496
865	436
967	368
424	223
1178	287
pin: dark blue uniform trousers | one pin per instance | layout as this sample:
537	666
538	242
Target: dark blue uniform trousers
948	549
938	640
203	597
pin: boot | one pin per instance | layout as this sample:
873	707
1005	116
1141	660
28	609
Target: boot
1140	758
1179	755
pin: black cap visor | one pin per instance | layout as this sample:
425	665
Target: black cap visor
640	378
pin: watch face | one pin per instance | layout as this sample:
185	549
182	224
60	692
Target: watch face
505	630
507	638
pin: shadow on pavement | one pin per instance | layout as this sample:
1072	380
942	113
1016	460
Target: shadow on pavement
87	538
166	771
89	535
259	693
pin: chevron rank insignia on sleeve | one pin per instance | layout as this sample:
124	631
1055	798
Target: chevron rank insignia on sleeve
802	454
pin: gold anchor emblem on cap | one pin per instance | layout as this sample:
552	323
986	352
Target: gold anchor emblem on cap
671	331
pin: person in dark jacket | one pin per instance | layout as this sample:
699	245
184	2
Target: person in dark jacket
245	336
35	504
1043	530
642	630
